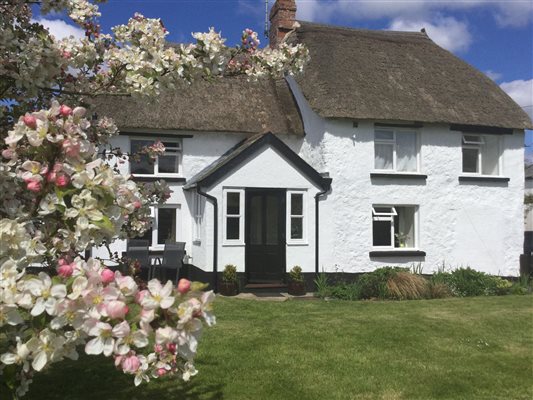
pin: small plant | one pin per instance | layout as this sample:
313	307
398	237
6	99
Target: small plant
229	274
295	274
402	238
323	288
417	268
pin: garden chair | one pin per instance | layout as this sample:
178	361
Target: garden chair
173	254
137	249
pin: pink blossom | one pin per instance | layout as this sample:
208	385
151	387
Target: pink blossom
116	309
137	204
51	177
161	371
171	347
33	185
140	295
65	111
8	153
184	285
107	275
158	348
131	364
71	148
62	180
66	54
30	121
65	270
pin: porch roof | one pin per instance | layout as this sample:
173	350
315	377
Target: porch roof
242	151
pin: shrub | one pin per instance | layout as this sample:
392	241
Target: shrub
497	286
407	286
374	284
230	273
438	290
346	291
295	274
323	288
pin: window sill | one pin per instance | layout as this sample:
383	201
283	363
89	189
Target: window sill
483	178
297	244
398	175
151	178
397	253
233	244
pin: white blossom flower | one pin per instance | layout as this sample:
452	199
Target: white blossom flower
159	295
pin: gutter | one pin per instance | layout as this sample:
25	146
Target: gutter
213	200
326	189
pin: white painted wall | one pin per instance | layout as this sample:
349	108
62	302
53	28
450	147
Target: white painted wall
460	224
528	208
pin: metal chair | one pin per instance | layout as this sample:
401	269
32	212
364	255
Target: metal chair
172	259
137	249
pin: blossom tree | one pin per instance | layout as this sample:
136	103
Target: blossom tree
61	193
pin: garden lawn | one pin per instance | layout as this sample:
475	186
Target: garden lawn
473	348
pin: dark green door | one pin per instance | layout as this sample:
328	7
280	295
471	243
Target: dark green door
265	235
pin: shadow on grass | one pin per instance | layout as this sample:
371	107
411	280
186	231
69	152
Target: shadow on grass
95	378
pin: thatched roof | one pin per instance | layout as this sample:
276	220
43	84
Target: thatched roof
231	104
405	76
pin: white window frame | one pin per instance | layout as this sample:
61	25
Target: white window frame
178	152
304	216
240	240
392	142
155	223
477	145
198	216
381	216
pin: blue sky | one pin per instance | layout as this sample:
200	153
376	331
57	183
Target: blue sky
494	36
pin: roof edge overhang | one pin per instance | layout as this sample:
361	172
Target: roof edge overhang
210	177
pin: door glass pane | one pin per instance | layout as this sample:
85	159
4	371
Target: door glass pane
406	152
297	204
233	206
297	230
256	219
232	228
383	156
166	229
143	165
470	160
381	233
168	164
272	220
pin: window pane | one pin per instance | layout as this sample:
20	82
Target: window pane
381	233
144	165
232	228
490	156
168	164
405	227
384	135
406	152
233	203
383	156
166	228
470	160
297	230
297	203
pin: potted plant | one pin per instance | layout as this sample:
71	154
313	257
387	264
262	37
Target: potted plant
402	239
229	285
296	282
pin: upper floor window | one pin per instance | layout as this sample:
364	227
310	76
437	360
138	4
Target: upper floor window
396	150
168	163
481	154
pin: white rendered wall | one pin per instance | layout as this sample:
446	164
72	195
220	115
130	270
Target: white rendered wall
460	224
528	212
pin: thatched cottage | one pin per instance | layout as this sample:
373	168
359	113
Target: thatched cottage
387	150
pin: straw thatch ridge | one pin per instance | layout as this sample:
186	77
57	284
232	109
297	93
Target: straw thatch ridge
230	104
402	76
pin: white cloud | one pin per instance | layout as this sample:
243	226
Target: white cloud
495	76
521	91
60	29
447	32
506	12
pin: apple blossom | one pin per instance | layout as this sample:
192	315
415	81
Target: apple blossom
107	275
184	285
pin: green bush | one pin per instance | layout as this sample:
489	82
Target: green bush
346	291
230	273
323	288
466	282
295	274
374	284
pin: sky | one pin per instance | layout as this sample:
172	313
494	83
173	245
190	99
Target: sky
495	36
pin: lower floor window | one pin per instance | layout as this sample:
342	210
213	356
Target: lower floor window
394	226
163	226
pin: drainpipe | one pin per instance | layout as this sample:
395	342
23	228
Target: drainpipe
317	223
214	200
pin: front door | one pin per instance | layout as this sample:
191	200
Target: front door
265	235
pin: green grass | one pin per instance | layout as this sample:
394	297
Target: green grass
475	348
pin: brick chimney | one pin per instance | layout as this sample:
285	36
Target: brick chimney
282	18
